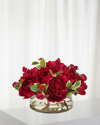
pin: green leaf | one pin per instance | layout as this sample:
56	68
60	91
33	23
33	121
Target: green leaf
69	94
50	72
16	87
42	63
20	82
38	66
58	73
77	73
36	84
69	83
33	88
77	91
76	85
43	84
46	95
35	63
46	87
73	92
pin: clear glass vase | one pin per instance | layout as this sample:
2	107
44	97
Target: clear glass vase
45	106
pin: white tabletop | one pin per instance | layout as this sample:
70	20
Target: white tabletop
83	112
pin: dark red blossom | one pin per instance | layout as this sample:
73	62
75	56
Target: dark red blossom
30	77
44	75
57	90
25	90
54	66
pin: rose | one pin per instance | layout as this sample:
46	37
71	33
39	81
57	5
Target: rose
82	88
57	90
40	95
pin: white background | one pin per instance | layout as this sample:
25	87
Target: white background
30	29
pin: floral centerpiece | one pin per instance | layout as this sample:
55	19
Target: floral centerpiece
50	84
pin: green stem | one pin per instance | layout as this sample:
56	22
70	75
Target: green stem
65	104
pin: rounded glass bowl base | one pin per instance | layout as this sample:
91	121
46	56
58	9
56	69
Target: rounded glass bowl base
50	107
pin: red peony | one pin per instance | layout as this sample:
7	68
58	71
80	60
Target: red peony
30	77
44	75
54	66
25	90
57	90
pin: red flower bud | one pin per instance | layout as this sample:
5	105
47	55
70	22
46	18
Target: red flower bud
54	74
42	88
39	84
40	58
40	95
19	85
15	83
37	87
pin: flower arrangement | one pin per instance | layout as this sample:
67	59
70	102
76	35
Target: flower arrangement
52	80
